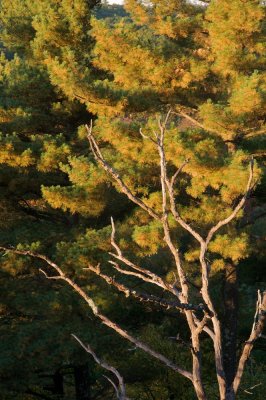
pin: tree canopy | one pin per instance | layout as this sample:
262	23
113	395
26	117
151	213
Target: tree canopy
65	63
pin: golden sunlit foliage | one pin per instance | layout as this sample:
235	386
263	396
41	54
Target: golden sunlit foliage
62	65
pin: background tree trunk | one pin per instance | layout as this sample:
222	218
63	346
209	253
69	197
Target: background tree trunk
58	381
82	382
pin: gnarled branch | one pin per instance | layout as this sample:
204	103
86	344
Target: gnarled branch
105	320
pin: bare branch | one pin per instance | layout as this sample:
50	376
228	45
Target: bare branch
142	296
205	268
147	137
115	175
178	217
257	329
163	125
175	213
201	324
170	186
56	277
252	387
126	267
150	278
209	332
167	236
217	335
145	274
179	170
113	242
136	274
121	389
105	320
35	255
195	348
114	386
227	220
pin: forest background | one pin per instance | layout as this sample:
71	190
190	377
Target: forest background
64	63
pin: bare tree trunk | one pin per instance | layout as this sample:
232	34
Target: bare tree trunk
197	378
82	382
230	301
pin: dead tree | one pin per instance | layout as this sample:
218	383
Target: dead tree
181	298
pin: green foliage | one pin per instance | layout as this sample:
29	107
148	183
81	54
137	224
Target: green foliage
58	68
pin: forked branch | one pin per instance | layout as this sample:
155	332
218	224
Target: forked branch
142	273
120	389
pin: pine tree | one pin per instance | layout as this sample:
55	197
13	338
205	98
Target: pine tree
205	62
208	65
38	123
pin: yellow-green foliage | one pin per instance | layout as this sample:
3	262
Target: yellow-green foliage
149	237
219	118
209	211
82	172
13	152
121	45
89	247
9	157
248	94
236	36
231	247
14	35
175	18
53	153
59	25
12	265
75	199
142	61
208	53
228	246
